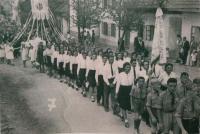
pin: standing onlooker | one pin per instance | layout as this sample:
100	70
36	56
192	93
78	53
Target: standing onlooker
198	56
140	47
185	50
194	57
93	37
179	44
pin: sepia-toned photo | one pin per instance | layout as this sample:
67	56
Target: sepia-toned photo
99	66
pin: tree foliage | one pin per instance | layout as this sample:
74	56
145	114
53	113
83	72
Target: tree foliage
60	8
87	13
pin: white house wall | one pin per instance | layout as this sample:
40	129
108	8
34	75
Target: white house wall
189	20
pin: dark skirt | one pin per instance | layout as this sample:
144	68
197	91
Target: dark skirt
124	97
74	71
120	70
91	78
61	69
191	125
55	64
67	69
48	61
81	76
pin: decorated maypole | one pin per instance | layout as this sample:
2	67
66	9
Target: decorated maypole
39	21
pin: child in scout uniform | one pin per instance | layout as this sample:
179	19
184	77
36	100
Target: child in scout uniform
154	107
196	83
186	114
138	100
181	89
168	101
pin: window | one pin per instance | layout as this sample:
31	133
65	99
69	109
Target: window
105	28
195	32
149	32
105	3
113	30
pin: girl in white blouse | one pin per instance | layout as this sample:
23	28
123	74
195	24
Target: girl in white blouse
73	68
90	74
125	81
54	60
81	71
67	66
60	63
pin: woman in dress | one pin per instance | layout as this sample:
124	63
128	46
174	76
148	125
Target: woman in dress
9	53
24	53
2	52
123	89
40	57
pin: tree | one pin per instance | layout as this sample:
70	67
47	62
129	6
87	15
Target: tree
60	8
88	14
127	16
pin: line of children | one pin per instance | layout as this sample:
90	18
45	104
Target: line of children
129	81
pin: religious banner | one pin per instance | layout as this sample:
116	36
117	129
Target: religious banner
40	9
159	40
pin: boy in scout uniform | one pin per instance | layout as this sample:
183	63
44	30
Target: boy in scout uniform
187	113
138	100
154	107
168	101
196	83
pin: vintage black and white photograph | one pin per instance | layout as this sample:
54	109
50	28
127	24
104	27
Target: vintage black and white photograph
99	66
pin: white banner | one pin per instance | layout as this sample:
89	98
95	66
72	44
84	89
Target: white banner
40	9
159	40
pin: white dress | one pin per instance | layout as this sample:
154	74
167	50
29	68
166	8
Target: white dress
9	52
2	51
25	52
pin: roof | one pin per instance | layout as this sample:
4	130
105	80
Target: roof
183	5
171	5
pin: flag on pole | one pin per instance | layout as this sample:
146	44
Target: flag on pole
40	9
159	41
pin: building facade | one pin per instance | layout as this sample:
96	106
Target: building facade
181	17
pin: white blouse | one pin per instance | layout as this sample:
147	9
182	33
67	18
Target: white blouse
127	59
81	63
125	80
164	77
120	63
107	72
60	58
